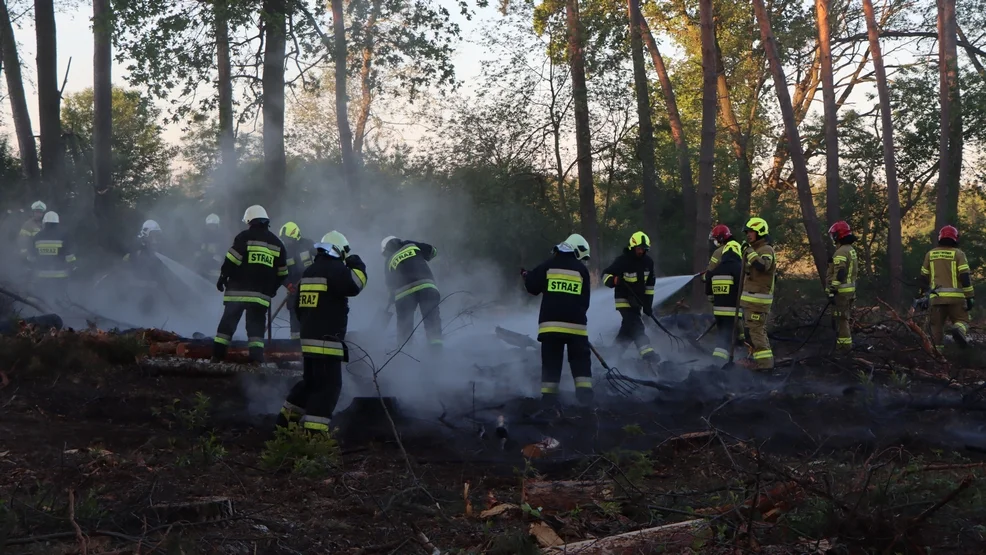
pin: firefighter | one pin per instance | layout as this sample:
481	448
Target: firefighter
254	268
758	290
322	305
947	286
841	282
722	286
563	283
209	257
299	252
411	285
631	276
721	237
31	228
53	257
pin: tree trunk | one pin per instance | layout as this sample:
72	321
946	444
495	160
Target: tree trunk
102	111
831	115
275	164
227	141
18	100
645	142
972	53
49	100
674	120
583	138
366	80
342	107
745	189
707	150
804	94
818	250
894	248
950	138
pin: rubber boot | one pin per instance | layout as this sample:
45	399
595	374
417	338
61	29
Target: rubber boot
257	355
585	396
218	352
959	337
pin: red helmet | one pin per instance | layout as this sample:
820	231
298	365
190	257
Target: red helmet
720	234
949	232
839	230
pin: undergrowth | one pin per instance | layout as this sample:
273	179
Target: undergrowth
312	455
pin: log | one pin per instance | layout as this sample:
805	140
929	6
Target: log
236	354
163	348
672	538
566	495
205	509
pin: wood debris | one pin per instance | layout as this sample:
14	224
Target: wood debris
545	536
566	495
672	538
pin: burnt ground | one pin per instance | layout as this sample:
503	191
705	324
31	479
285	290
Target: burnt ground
879	452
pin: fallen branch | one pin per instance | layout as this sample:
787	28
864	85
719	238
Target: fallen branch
964	485
671	537
909	323
936	467
565	495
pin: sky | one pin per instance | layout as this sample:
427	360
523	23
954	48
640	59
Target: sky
75	43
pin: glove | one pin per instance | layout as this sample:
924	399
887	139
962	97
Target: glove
616	280
831	295
969	303
523	273
221	284
292	288
920	304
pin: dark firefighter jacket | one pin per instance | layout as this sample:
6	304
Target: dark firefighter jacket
299	257
323	303
563	283
636	274
255	266
53	255
408	271
723	283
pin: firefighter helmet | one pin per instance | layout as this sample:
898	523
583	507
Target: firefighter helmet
386	241
212	219
39	206
732	247
757	224
720	235
640	239
291	230
335	244
50	218
948	232
577	244
148	227
255	212
839	230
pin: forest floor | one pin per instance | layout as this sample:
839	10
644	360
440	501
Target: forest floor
883	451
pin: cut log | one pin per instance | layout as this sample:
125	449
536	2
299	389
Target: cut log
566	495
163	348
195	350
671	538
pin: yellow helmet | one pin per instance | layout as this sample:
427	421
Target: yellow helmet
291	230
334	243
757	224
640	239
577	244
733	247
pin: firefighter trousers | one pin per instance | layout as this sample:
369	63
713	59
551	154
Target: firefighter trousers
632	331
312	400
841	313
725	330
756	331
428	300
953	312
256	322
552	357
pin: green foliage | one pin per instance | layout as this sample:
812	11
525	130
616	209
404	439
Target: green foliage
308	454
635	466
141	157
191	419
206	451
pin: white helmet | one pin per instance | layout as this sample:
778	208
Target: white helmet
148	227
254	212
50	218
335	244
383	244
212	219
577	244
39	206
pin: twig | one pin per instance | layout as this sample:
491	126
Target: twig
83	544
